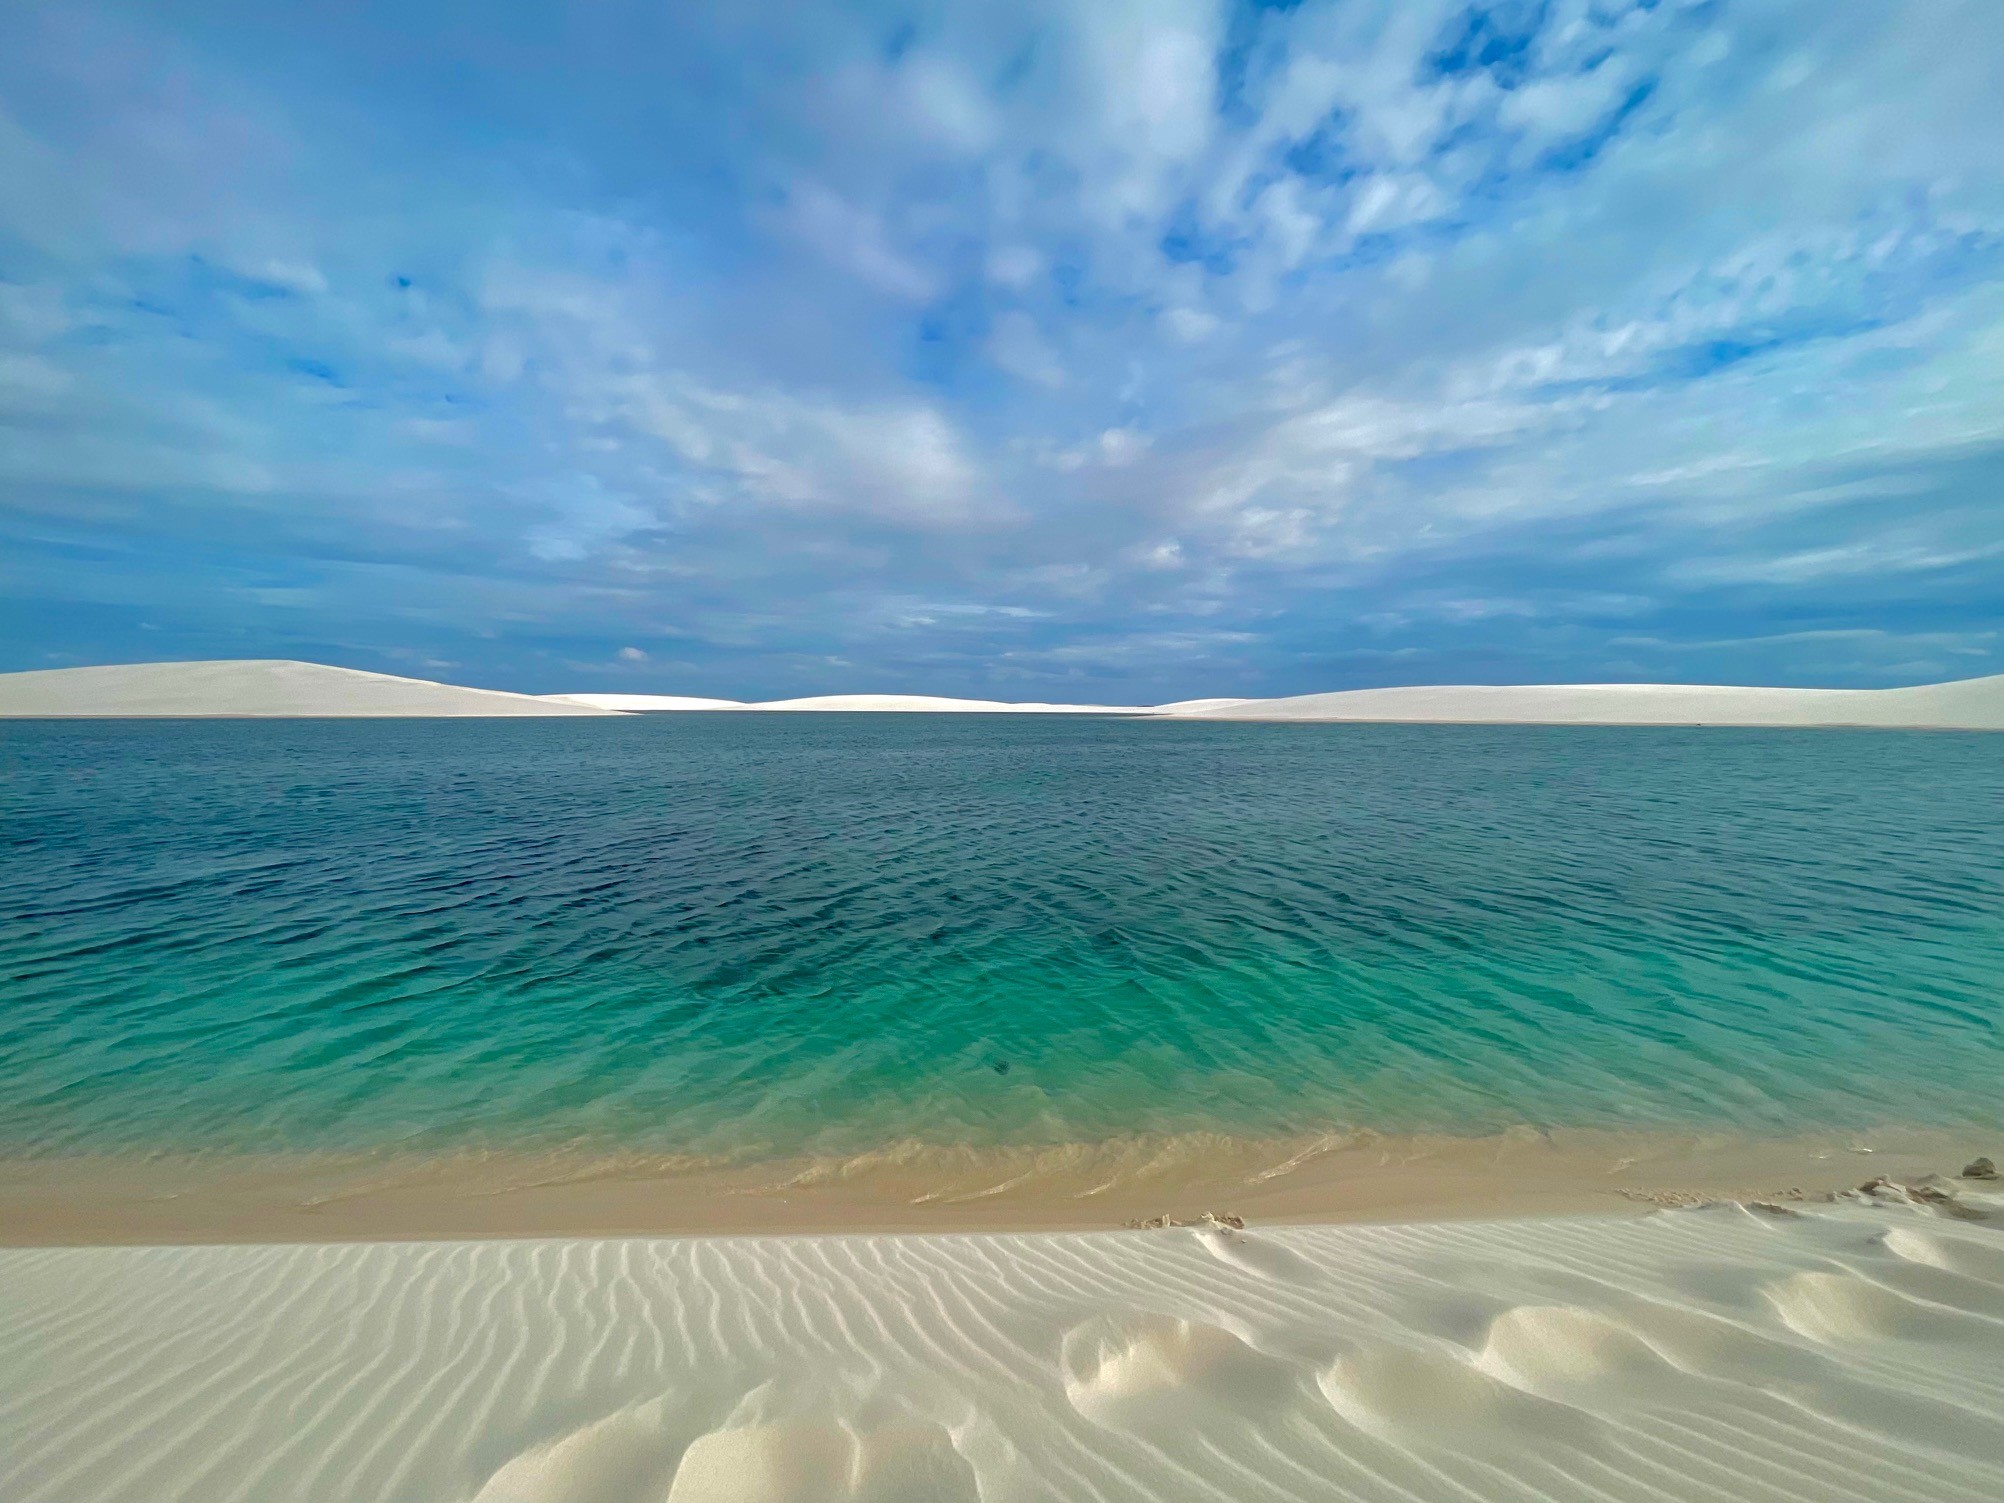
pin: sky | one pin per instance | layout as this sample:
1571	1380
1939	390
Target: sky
1104	351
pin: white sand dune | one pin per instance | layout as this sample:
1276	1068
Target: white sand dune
1970	704
1851	1353
934	705
279	688
1197	706
643	703
252	688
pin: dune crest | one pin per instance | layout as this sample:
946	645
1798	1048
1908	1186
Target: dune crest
1969	704
252	688
1199	706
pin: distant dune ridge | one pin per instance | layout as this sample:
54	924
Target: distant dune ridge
257	688
930	704
1970	704
276	688
1198	706
643	703
937	705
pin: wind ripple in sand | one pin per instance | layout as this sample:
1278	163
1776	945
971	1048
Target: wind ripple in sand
1846	1354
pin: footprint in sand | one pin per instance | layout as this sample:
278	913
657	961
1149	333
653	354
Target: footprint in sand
1841	1308
634	1456
1432	1400
1822	1384
1255	1254
1574	1356
1963	1255
1712	1347
626	1457
808	1461
1157	1373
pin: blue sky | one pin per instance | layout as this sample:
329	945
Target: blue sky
1119	351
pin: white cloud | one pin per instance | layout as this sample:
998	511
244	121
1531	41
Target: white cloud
855	239
1393	201
291	276
588	517
1132	649
1019	347
1870	556
1015	265
1190	324
31	376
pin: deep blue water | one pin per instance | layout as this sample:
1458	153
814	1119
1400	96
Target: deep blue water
737	933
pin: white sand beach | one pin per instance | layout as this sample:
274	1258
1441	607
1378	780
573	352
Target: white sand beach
644	704
251	689
1970	704
1843	1353
925	704
1197	706
937	705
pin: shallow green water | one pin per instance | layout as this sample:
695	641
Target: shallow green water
756	934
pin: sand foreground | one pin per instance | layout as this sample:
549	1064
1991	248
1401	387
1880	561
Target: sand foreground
1846	1352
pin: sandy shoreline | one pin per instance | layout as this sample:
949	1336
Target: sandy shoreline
1851	1353
1330	1178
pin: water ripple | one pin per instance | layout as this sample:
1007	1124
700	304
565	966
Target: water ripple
820	934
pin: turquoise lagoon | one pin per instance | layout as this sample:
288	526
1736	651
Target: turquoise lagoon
746	935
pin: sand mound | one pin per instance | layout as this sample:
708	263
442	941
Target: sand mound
1838	1307
821	1462
257	688
630	1455
1568	1354
1976	1257
1683	1356
1971	704
1160	1373
1425	1400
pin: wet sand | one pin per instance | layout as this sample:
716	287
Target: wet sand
1338	1177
